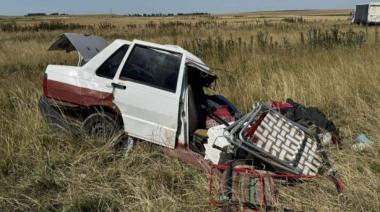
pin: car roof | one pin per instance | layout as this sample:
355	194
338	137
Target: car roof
174	48
191	59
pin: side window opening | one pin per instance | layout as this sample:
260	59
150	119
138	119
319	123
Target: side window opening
109	68
154	67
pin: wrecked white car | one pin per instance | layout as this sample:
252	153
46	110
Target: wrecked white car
155	93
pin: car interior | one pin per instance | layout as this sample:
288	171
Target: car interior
200	105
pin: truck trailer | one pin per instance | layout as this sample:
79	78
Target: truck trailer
367	14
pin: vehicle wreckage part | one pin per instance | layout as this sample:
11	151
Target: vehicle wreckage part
218	138
243	186
101	125
261	194
216	143
249	148
288	143
285	145
215	152
87	45
304	154
278	140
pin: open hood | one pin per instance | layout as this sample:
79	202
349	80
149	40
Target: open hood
87	46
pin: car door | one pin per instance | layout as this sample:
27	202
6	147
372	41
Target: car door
147	92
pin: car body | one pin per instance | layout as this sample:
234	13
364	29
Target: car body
148	88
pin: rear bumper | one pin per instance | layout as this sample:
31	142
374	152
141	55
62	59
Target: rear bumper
55	117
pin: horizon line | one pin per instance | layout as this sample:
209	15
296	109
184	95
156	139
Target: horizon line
217	13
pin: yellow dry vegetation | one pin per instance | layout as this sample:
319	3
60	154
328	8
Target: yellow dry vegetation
315	57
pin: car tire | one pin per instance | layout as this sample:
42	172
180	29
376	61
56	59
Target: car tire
101	126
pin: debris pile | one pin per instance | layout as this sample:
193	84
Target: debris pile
274	141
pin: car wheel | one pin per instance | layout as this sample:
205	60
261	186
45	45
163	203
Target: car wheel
101	126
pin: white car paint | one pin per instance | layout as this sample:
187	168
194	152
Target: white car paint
148	113
85	76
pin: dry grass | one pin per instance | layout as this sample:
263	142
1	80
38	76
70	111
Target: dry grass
39	171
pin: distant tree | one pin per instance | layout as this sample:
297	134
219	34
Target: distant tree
165	15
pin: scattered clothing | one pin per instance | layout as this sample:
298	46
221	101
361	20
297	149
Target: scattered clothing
308	116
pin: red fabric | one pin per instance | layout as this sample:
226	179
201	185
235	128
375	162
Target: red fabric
280	105
223	113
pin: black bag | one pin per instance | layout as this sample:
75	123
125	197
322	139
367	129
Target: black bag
309	115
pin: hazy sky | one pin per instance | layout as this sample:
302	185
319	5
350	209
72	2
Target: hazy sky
21	7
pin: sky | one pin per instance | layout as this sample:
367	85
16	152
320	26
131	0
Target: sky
22	7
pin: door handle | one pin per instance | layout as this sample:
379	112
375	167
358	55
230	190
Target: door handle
119	86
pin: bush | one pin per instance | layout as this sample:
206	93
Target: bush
294	20
42	26
335	37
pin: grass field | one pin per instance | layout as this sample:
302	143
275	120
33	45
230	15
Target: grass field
315	57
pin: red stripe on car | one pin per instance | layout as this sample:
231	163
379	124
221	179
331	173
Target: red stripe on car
79	96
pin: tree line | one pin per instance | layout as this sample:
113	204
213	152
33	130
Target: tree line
131	15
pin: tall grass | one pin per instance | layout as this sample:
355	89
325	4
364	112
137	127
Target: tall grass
333	68
335	37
